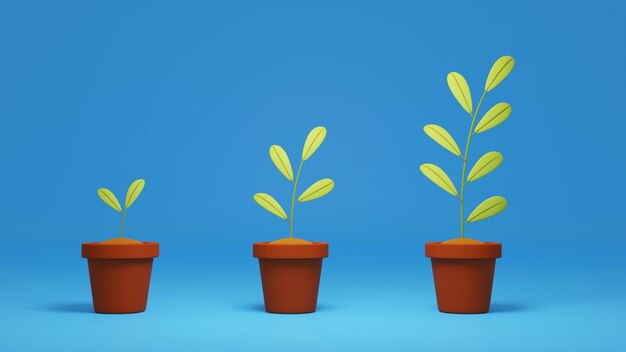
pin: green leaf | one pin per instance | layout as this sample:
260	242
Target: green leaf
495	116
488	208
460	90
485	165
441	136
317	190
439	177
500	69
313	141
270	204
281	160
109	198
133	191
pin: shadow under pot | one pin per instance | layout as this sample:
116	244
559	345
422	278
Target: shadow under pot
120	275
463	275
290	274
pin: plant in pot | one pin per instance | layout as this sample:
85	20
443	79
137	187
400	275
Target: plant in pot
291	267
463	268
120	268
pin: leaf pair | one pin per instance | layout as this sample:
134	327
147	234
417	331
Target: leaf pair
459	88
281	160
486	164
484	210
131	195
495	116
316	190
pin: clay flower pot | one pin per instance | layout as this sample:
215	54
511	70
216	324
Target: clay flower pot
290	274
120	275
463	275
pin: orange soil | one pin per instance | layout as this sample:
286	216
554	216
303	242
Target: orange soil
121	241
290	241
462	241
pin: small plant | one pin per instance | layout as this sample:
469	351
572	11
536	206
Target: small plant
485	164
281	160
133	192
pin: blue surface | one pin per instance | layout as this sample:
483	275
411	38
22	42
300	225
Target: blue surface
190	96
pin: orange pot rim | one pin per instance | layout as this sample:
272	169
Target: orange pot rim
97	250
486	250
268	250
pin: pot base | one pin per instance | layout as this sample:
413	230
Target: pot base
290	286
120	286
463	286
120	275
463	275
290	274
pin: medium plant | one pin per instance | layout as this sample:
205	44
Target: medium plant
133	192
281	160
485	164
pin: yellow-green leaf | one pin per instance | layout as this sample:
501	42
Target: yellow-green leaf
460	90
500	69
495	116
441	136
133	191
439	177
313	141
317	190
488	208
281	160
109	198
270	204
485	165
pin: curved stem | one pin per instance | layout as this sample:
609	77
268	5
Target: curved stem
467	145
122	227
293	199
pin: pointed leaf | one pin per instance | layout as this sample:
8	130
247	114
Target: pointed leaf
313	141
317	190
439	177
485	165
500	69
133	191
281	160
488	208
109	198
441	136
460	90
495	116
270	204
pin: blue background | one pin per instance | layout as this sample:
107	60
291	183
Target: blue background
190	95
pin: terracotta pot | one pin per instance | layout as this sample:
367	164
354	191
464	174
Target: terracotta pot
290	274
120	275
463	275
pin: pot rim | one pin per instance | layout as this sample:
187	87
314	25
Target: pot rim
486	250
97	250
268	250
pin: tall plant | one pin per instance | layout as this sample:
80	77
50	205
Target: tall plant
485	164
281	160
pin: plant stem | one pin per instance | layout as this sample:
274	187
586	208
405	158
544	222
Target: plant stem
293	199
122	227
467	145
